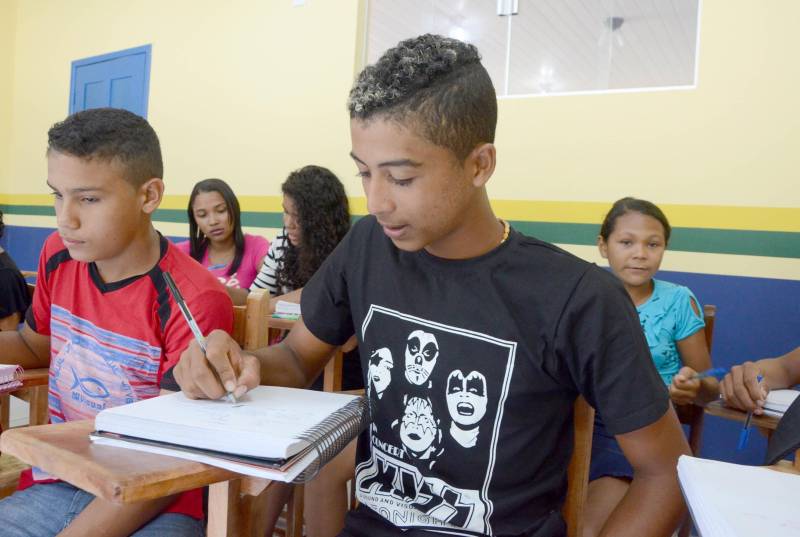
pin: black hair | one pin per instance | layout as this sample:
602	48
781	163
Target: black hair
323	214
198	242
112	135
633	205
2	225
435	83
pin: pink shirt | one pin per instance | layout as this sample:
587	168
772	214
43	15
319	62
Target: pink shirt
255	248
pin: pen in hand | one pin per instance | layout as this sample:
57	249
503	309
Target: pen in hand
745	433
198	335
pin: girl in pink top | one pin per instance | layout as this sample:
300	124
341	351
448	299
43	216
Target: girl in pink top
216	239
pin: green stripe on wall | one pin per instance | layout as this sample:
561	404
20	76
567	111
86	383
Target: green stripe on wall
30	210
702	240
687	239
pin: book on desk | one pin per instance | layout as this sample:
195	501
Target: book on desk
731	500
282	434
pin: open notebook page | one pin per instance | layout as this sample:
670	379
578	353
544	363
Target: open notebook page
267	422
731	500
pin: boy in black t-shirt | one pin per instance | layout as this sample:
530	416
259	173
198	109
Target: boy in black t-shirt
476	339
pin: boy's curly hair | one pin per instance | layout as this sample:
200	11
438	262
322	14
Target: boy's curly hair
323	213
434	84
111	135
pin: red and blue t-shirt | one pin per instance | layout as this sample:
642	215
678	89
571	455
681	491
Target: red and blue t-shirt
111	343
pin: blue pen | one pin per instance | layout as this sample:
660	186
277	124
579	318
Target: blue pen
745	434
716	372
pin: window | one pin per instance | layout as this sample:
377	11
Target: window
556	46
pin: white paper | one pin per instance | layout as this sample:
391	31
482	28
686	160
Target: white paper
778	401
287	308
731	500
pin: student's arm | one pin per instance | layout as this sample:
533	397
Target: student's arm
10	322
693	351
105	519
296	361
24	347
239	295
740	387
653	505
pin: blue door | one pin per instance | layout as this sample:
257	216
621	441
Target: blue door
119	80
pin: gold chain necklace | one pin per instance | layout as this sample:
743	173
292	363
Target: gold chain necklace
506	230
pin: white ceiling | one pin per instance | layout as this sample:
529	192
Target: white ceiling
556	45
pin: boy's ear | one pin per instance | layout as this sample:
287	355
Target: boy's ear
602	246
482	161
152	191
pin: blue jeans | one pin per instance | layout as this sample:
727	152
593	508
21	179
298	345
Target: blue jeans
46	509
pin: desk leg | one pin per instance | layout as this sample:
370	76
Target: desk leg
223	509
5	405
796	463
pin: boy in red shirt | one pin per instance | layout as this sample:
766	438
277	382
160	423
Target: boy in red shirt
102	318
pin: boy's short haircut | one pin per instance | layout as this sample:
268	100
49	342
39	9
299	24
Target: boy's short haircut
111	135
435	83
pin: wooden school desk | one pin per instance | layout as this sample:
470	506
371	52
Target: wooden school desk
31	378
125	476
766	423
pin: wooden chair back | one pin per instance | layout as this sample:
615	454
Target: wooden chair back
693	415
251	321
578	470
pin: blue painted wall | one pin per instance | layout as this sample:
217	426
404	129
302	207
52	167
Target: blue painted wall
756	317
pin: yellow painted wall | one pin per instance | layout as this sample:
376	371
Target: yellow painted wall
251	89
246	90
8	11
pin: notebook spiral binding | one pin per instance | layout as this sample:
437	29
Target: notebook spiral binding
10	378
332	434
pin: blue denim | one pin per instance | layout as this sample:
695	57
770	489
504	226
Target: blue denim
46	509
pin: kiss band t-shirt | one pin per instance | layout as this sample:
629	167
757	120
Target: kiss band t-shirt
472	369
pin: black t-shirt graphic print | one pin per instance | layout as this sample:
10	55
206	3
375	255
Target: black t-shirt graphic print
443	390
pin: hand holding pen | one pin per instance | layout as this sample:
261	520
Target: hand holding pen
229	385
742	388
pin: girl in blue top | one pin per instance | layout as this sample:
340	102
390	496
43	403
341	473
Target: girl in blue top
633	238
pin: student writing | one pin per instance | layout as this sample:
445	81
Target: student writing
316	216
491	334
102	318
741	389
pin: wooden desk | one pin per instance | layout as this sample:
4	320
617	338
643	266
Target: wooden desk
766	423
718	408
124	476
36	398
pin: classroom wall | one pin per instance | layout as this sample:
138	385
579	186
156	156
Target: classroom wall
7	37
249	90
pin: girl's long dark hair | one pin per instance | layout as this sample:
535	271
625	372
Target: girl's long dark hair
633	205
323	214
198	242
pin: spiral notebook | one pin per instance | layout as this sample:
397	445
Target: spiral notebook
277	433
10	378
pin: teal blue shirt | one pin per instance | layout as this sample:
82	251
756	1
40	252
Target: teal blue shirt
668	317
